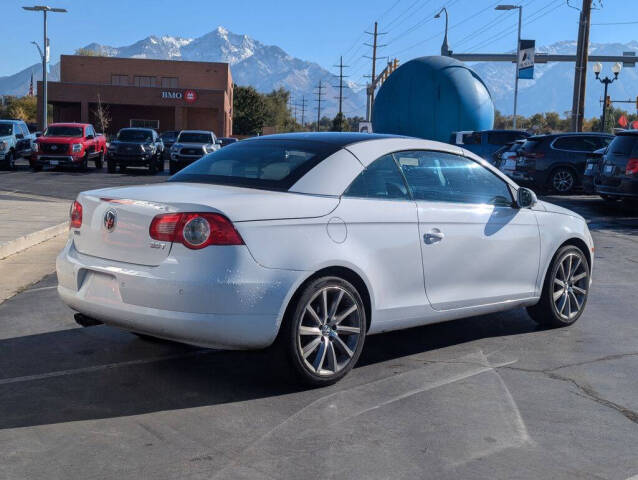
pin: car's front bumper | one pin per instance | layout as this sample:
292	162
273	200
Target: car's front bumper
216	297
56	160
138	159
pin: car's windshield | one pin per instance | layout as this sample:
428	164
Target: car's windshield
169	136
135	136
63	131
5	129
192	137
263	164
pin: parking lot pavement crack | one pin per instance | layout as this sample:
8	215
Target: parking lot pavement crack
596	397
568	365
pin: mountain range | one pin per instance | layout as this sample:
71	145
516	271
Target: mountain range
267	67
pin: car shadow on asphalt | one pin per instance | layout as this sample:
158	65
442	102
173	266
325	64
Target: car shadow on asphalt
101	372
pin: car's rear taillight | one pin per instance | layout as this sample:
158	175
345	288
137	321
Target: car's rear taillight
533	155
632	166
76	215
194	230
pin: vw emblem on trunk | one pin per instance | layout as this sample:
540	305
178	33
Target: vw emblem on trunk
110	219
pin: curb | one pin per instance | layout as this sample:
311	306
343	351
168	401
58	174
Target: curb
31	239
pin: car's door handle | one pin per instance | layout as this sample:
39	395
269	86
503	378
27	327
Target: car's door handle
433	236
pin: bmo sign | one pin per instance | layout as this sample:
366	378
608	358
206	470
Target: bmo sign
189	96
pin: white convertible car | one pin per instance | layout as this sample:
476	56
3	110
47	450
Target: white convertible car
314	241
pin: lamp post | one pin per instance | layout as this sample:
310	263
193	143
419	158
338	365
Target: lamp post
606	81
45	56
445	50
518	50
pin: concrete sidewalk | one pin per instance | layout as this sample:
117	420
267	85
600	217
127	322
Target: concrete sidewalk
27	219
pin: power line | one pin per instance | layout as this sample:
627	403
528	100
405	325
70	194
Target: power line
616	23
373	76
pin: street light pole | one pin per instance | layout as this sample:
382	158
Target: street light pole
445	49
518	51
45	56
606	81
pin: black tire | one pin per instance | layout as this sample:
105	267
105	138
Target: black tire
84	164
563	180
338	352
111	166
9	161
550	312
172	168
99	161
160	162
34	166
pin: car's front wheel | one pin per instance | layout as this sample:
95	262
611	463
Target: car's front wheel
563	180
565	290
324	336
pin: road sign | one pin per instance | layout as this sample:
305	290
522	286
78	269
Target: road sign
527	50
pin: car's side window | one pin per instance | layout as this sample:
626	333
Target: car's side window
381	179
445	177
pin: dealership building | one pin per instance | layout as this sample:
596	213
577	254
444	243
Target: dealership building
160	94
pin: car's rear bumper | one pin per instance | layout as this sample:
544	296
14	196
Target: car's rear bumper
221	299
628	187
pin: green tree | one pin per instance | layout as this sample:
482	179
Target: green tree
249	111
340	123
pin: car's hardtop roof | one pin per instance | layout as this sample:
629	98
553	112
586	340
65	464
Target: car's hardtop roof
569	134
137	128
502	130
195	131
336	139
10	120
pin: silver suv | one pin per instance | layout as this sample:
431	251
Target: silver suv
15	141
191	145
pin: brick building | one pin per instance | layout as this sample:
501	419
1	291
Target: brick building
160	94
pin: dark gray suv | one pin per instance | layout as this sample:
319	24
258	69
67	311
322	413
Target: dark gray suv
619	170
557	161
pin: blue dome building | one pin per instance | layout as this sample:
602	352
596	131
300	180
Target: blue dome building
431	97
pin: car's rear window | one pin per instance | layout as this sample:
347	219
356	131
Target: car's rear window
624	145
264	164
531	145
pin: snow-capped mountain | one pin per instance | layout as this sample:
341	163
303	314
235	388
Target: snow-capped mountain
552	86
265	67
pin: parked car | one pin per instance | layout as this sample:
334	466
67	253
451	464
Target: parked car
68	144
557	161
191	145
168	139
592	170
310	242
225	141
15	142
619	171
136	147
485	143
505	157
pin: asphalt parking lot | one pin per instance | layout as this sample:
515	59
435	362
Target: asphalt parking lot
489	397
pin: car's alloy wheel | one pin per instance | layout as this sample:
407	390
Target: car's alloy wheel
327	332
565	289
563	180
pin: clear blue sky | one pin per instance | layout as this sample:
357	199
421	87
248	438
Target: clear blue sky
315	31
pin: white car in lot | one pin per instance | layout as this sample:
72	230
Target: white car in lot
314	241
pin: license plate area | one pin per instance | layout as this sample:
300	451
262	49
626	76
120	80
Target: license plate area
609	169
100	287
54	162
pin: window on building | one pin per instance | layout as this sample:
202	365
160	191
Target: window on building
141	123
170	82
119	79
141	81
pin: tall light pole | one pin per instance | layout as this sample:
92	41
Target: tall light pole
518	51
45	56
606	81
445	50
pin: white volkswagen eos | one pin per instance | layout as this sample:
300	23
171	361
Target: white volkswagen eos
314	241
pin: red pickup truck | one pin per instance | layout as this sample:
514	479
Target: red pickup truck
68	144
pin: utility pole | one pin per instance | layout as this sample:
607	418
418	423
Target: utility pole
580	73
372	85
319	93
45	56
303	110
340	87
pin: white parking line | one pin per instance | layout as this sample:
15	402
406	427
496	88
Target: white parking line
97	368
39	289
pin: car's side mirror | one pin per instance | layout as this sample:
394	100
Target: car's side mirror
90	137
218	141
19	136
525	198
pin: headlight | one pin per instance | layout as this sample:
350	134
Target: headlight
35	147
76	147
175	147
149	148
3	146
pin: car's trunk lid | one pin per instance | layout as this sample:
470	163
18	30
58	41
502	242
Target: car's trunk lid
135	207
